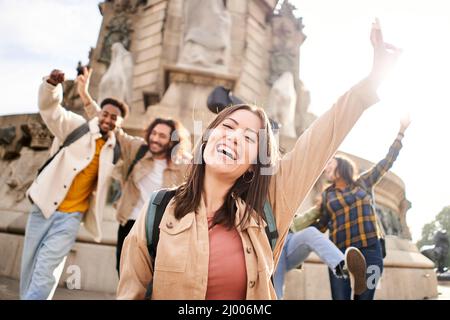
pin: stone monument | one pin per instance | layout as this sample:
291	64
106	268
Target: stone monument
116	82
282	104
181	50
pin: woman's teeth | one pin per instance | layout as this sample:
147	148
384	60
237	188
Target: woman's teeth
226	152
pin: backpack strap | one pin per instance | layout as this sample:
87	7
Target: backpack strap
150	219
76	134
159	203
139	155
271	228
157	206
117	152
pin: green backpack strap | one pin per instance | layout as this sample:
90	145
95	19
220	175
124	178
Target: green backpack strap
271	228
150	218
158	203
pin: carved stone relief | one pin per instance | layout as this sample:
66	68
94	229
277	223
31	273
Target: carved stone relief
117	30
282	103
117	80
207	27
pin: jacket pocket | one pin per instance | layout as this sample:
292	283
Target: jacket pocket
174	244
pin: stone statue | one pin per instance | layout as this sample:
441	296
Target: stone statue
282	104
129	6
71	98
11	143
25	152
117	80
438	252
7	135
40	137
287	38
302	118
118	30
22	173
390	222
33	134
207	27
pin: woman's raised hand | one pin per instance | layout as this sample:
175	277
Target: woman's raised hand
385	55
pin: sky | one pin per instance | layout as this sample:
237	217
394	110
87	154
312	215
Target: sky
40	35
337	53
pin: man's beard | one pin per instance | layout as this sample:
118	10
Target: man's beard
105	132
163	151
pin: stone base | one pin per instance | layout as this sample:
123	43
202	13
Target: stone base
402	278
96	263
15	222
407	275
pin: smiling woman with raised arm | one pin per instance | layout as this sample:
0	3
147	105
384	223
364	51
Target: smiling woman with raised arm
212	242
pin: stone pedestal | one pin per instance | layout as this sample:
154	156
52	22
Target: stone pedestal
187	93
153	31
94	263
407	275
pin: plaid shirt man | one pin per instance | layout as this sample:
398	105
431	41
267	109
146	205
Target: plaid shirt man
348	213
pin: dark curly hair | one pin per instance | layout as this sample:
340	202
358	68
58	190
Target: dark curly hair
122	106
179	137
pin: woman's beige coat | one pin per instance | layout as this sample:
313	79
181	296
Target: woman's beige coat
181	266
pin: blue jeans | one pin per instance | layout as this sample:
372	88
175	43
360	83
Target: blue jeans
47	243
297	248
341	289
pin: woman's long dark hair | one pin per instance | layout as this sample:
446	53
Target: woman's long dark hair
253	193
345	169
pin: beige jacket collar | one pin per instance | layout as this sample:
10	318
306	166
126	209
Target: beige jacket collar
254	222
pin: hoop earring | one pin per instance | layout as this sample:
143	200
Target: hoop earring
244	176
198	156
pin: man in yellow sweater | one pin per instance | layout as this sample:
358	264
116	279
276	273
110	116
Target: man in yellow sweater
63	192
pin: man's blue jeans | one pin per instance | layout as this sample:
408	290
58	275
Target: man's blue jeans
297	248
340	288
47	243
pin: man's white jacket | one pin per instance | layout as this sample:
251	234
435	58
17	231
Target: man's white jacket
49	189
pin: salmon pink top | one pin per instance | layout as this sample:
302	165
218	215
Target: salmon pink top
227	274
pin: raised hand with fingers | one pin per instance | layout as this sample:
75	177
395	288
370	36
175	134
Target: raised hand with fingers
385	55
405	121
83	82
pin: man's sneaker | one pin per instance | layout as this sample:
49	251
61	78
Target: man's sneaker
355	263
